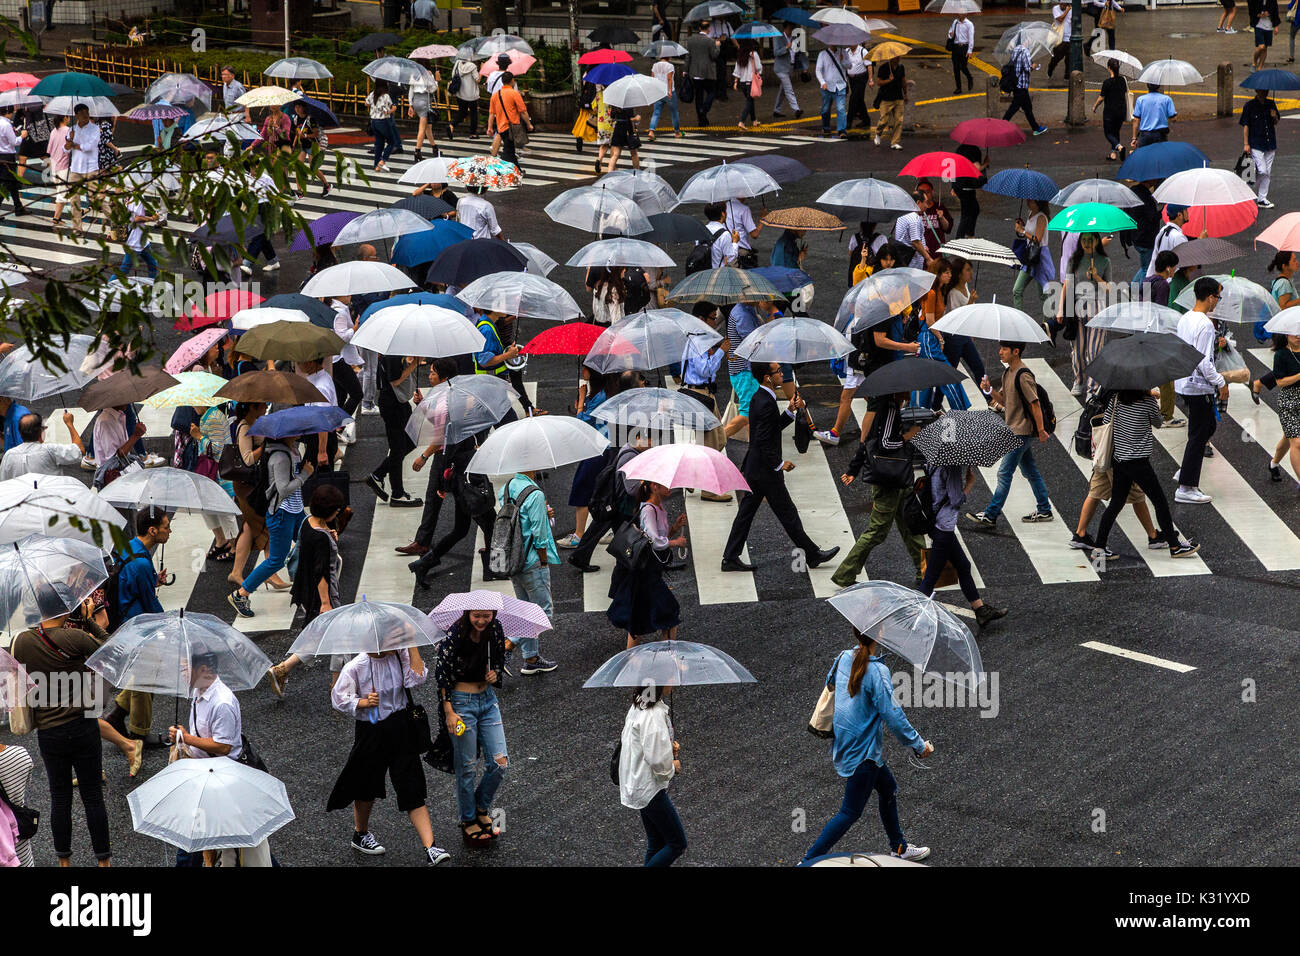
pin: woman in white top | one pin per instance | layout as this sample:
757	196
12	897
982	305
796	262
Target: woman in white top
375	690
382	124
608	296
421	93
647	760
640	602
665	73
1043	269
748	66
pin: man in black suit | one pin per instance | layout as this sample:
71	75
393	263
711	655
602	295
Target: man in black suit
765	469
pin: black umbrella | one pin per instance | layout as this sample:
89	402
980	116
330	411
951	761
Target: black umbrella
781	168
223	234
1142	361
461	264
316	310
909	374
612	35
373	41
975	437
430	207
672	227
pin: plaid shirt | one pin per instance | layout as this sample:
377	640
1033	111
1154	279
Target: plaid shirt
1020	59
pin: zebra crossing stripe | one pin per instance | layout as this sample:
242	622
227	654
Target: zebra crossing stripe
821	509
1136	656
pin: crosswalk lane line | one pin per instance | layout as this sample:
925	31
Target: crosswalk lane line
821	510
1259	420
1066	404
1137	656
708	523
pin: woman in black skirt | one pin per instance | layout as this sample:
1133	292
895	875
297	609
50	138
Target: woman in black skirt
375	690
624	137
642	603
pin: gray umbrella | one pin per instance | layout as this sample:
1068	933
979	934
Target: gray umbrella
974	437
669	664
26	380
48	577
1097	190
707	11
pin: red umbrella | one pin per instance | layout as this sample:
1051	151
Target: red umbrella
571	338
605	56
218	307
9	81
987	133
945	166
1218	221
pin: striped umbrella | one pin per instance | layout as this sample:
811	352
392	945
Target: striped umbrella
148	112
724	286
980	250
976	437
518	619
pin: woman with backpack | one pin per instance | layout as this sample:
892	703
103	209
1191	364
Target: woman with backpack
473	507
640	601
464	83
647	759
948	487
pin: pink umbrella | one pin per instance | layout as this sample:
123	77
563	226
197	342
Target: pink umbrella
1283	235
192	350
687	466
15	685
519	63
518	618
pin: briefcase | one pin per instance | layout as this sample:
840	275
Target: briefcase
326	476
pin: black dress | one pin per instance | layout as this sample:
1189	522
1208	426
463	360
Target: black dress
641	603
317	554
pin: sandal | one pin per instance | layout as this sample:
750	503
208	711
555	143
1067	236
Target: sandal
474	835
487	825
223	553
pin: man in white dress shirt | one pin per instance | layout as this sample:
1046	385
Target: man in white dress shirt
35	455
1198	390
83	144
216	726
477	214
9	141
740	220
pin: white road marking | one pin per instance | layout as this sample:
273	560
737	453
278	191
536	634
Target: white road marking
1136	656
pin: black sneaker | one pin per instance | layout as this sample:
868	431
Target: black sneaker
986	614
377	487
1157	543
405	501
1208	453
1036	517
1184	550
1082	542
982	519
436	855
1274	471
366	843
538	665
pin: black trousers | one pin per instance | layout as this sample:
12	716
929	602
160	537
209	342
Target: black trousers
69	750
395	415
1201	424
857	100
1137	471
1059	53
348	386
945	549
772	489
468	108
1020	100
508	151
432	509
596	529
960	69
311	444
1112	125
458	531
517	381
10	183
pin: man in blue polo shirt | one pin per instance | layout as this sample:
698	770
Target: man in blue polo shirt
1259	118
1152	113
13	413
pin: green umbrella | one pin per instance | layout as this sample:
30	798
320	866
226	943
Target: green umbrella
1091	217
72	84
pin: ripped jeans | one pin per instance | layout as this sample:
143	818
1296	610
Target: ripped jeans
485	733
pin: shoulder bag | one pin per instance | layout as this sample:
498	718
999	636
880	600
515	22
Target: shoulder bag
1106	19
822	722
28	820
1103	441
420	739
888	468
518	132
248	756
631	547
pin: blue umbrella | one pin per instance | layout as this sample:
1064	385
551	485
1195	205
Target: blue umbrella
300	420
794	15
1271	80
607	73
756	30
317	311
1022	184
1161	160
320	114
323	231
419	248
419	298
786	280
461	264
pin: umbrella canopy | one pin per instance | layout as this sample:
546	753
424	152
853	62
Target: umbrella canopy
783	279
397	69
571	338
980	250
1271	80
648	190
462	263
631	92
539	263
887	51
246	319
943	165
598	209
520	294
520	63
298	68
756	30
427	207
795	340
432	170
192	350
218	307
356	278
794	15
907	374
290	342
461	408
1036	36
73	84
494	174
988	320
12	80
302	420
661	49
953	6
192	390
621	251
1091	217
538	443
170	490
20	96
366	627
260	96
1240	301
1283	235
518	619
883	294
1096	191
972	438
1206	252
99	107
648	340
381	224
24	379
728	181
1285	322
419	298
420	248
803	218
607	73
1203	187
687	465
372	42
1218	221
844	34
220	127
1160	161
596	57
271	387
48	577
870	199
1142	361
919	630
226	233
724	286
494	46
1136	315
1130	66
426	330
655	409
671	227
711	9
49	505
841	15
669	664
1021	184
209	805
987	133
612	35
781	168
178	88
316	311
124	388
1170	73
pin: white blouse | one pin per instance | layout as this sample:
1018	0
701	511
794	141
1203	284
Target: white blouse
645	764
744	72
389	675
654	522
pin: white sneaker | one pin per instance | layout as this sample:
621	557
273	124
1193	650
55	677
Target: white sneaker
1177	473
912	853
154	461
272	266
827	437
1192	496
1263	204
900	146
876	140
369	409
1230	31
245	268
348	434
88	463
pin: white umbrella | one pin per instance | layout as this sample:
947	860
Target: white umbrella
988	320
979	250
1286	322
397	69
1204	187
268	96
1136	316
390	223
432	170
19	97
1170	73
170	490
874	197
246	319
211	804
298	68
1129	65
794	340
840	15
48	577
101	107
621	251
729	181
630	92
648	190
598	209
538	443
520	293
23	378
356	278
1105	191
219	127
425	330
49	504
539	263
502	43
366	627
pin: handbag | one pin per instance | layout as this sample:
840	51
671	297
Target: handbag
231	467
686	88
1103	441
1106	19
474	492
248	756
950	45
891	469
756	85
28	820
206	466
518	132
822	722
420	738
631	547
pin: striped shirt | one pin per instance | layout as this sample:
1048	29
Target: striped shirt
15	770
1133	424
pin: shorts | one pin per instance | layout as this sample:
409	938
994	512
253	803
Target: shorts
851	379
625	137
743	386
1101	482
1229	4
1263	37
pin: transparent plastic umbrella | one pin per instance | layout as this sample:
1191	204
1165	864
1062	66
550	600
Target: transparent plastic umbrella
298	68
916	628
356	278
1136	316
209	805
621	251
728	181
794	340
1170	73
465	405
878	296
598	209
670	664
396	69
952	6
55	505
502	43
1241	300
1097	190
870	199
518	619
711	9
192	390
24	379
635	91
48	577
220	127
1035	35
366	627
430	331
648	340
538	443
539	263
178	89
171	490
520	293
432	170
687	466
655	409
648	190
1129	65
380	224
988	320
840	15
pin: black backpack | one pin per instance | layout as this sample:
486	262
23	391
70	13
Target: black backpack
701	254
609	497
1093	410
638	291
1007	82
864	347
112	598
1044	404
918	506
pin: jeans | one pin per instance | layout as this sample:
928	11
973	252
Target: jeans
962	348
1147	137
1021	456
836	99
1111	126
665	840
1130	472
369	365
1144	260
747	111
533	585
1201	423
386	138
69	750
886	510
671	101
1024	280
857	791
145	256
484	733
281	528
1020	100
946	549
704	94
